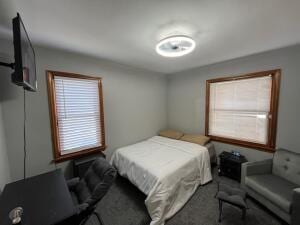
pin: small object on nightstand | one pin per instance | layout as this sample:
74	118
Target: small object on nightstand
238	154
230	164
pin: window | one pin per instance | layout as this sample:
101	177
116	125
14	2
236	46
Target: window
243	110
77	120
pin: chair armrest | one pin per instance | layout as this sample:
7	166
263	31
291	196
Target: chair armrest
102	187
82	208
295	218
255	168
72	183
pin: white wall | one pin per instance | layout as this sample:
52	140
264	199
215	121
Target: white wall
186	96
134	105
138	103
4	165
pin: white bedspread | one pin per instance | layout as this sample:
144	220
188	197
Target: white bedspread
168	171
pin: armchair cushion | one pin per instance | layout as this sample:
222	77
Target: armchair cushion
296	207
276	189
256	168
286	165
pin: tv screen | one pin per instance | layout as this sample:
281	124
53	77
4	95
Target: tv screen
25	70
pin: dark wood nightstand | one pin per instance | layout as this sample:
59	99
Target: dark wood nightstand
230	165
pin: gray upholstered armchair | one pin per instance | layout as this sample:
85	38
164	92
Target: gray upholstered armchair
93	186
276	184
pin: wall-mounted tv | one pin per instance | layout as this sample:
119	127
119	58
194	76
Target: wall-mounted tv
24	67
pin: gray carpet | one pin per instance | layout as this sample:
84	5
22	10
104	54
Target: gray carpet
124	205
202	209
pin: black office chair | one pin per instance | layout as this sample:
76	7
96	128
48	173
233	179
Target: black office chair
89	190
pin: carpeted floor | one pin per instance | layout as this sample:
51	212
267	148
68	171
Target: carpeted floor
124	205
202	209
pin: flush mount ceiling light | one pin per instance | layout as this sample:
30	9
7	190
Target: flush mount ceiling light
175	46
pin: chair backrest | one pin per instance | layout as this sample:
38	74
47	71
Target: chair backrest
96	181
286	164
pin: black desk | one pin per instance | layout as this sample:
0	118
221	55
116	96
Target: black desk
45	200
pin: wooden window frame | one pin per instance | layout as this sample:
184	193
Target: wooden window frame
272	129
58	157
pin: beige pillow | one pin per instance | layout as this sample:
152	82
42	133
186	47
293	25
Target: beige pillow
195	138
171	134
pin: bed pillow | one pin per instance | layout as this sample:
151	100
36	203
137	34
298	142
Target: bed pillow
171	134
195	138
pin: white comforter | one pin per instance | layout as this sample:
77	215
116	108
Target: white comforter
168	171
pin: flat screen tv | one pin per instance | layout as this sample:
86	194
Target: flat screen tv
24	67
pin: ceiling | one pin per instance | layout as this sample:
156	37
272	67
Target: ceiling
126	31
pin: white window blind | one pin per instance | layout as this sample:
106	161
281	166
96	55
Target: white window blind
78	114
240	109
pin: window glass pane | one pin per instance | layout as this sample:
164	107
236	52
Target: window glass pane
240	109
78	114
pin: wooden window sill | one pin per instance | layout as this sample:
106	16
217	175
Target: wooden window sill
76	155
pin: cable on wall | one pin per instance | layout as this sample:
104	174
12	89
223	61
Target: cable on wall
24	133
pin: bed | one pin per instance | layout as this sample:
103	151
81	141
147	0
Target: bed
212	153
168	171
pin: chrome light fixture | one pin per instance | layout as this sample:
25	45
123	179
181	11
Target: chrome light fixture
175	46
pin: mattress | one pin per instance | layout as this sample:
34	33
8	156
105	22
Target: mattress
168	171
